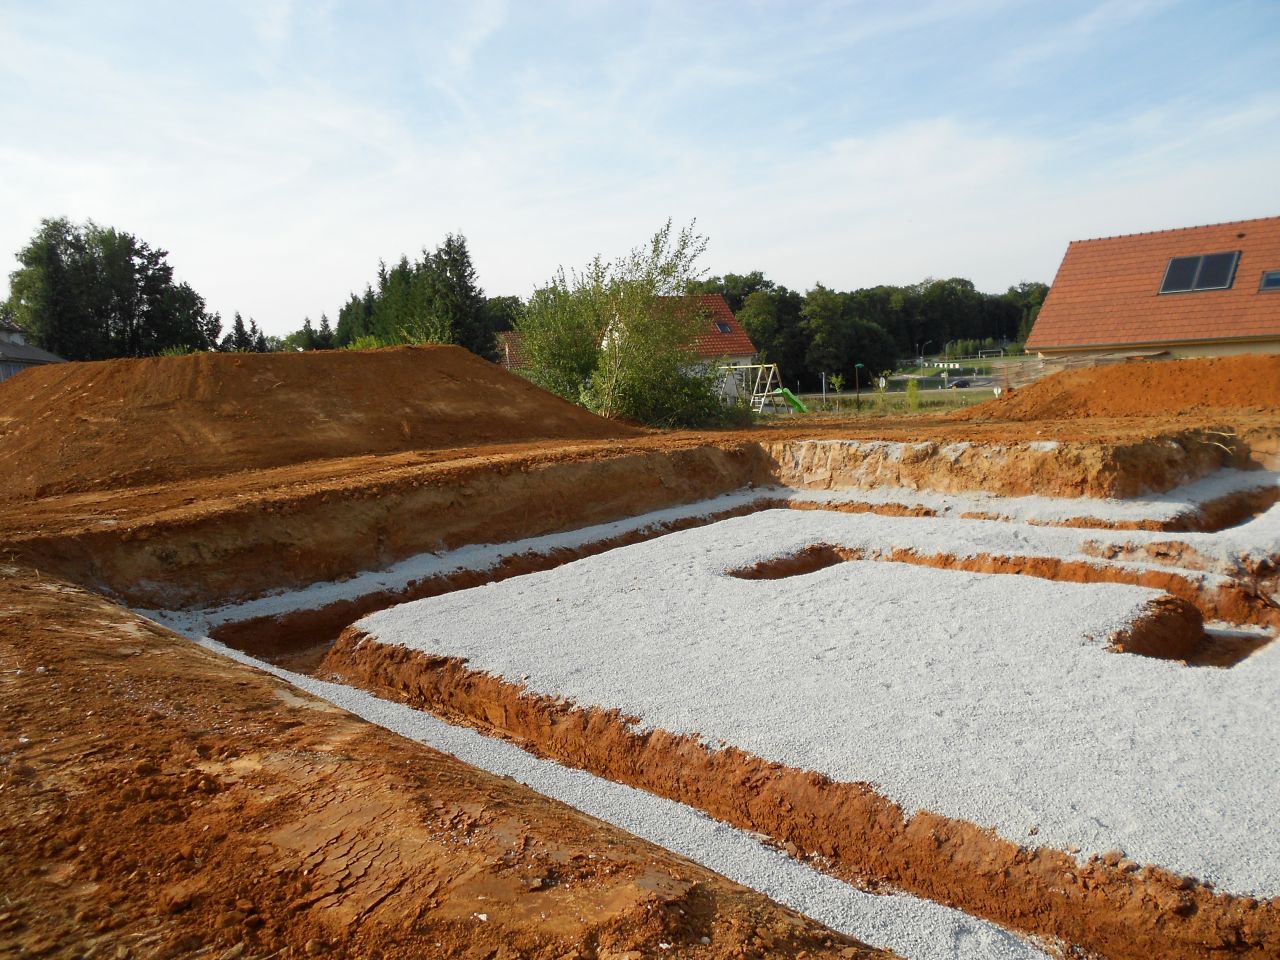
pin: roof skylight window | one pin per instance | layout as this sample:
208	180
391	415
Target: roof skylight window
1210	271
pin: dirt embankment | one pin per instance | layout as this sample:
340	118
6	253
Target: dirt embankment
117	423
1042	467
235	547
1140	388
236	536
157	800
1109	906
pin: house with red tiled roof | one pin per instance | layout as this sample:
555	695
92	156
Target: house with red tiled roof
722	340
1193	292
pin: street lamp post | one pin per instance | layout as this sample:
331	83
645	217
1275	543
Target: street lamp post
857	386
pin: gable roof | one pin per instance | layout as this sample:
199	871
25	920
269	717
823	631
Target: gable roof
716	343
1107	294
25	353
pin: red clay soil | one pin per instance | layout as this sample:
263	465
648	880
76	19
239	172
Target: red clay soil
157	800
1109	906
114	423
1141	388
237	535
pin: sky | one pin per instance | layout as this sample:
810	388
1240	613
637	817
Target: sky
278	151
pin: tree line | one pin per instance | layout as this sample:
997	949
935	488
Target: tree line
828	331
88	292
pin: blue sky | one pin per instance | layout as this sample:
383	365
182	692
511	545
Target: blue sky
279	150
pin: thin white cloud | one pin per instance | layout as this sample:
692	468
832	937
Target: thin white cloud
277	192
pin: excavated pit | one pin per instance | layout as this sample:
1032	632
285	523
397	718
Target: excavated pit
231	527
1106	905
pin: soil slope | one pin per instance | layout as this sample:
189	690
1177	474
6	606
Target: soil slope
82	426
228	815
1143	389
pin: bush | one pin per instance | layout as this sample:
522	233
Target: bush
618	337
367	342
913	394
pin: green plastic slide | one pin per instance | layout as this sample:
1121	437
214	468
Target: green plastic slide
792	400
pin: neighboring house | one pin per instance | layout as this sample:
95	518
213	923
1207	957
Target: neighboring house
723	340
1193	292
17	355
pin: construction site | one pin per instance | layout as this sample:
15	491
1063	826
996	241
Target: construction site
301	657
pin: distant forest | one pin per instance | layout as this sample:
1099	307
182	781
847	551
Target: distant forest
88	292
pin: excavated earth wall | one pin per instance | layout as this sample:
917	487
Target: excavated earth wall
237	547
1047	468
246	549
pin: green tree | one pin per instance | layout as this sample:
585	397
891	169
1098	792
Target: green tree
453	305
503	313
89	292
355	319
257	340
771	319
1026	298
324	337
838	339
619	337
562	329
734	287
238	338
432	300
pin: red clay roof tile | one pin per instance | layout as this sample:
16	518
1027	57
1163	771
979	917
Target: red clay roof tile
1106	292
716	343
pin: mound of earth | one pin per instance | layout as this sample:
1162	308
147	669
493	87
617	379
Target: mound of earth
80	426
1142	389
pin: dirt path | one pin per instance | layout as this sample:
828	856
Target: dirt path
157	800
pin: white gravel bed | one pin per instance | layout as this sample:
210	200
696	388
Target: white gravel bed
991	699
1258	538
480	556
1179	502
914	928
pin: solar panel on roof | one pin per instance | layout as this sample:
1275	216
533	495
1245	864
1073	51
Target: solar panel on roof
1217	270
1180	275
1208	271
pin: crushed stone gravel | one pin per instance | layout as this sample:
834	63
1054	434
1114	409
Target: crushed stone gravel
914	928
